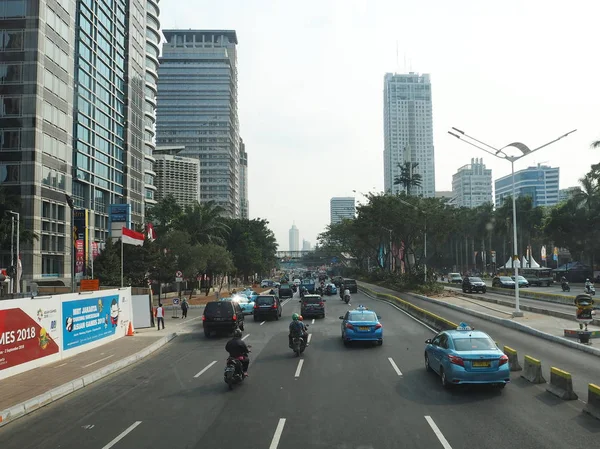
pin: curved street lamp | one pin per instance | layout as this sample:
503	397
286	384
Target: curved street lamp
501	154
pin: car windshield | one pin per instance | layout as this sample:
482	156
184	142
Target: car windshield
349	282
217	307
505	279
264	300
474	344
521	278
472	279
455	275
362	316
312	300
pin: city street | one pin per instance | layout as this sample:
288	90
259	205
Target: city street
556	289
332	397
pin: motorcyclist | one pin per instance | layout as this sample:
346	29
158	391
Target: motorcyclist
342	291
237	349
346	293
588	285
297	329
305	327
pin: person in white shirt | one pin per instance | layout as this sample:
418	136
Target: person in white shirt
160	316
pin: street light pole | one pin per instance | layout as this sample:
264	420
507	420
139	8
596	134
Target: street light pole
72	207
15	262
525	150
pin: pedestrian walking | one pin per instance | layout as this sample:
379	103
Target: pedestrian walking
160	316
184	308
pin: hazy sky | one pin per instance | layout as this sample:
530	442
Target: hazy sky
311	82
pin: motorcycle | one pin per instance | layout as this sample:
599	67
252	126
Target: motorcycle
298	345
234	373
565	287
590	290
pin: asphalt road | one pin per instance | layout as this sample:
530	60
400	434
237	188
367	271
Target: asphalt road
576	289
333	397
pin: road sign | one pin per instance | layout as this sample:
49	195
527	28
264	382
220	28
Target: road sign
179	274
178	279
175	301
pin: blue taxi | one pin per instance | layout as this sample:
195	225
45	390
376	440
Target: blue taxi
466	356
361	324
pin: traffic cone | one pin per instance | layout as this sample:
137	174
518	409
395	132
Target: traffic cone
130	330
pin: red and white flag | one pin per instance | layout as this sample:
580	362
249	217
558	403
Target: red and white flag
130	237
150	232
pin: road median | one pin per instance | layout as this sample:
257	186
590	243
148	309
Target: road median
561	384
593	403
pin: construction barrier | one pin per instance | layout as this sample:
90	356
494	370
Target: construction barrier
533	371
593	403
513	359
561	384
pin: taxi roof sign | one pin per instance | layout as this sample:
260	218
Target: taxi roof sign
361	307
464	327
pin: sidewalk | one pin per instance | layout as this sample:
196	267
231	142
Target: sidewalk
23	393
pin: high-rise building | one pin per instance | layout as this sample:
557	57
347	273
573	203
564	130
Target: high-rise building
197	108
244	205
294	238
306	245
472	184
568	193
176	175
341	207
540	183
408	131
153	39
71	121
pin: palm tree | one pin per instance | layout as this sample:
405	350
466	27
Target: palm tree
204	222
595	144
408	178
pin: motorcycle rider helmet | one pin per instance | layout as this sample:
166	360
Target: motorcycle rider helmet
295	317
587	280
237	333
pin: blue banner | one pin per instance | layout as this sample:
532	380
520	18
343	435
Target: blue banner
88	320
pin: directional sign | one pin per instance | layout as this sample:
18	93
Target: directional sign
178	279
179	274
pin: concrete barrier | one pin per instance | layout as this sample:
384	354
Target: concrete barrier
533	371
513	359
593	403
561	384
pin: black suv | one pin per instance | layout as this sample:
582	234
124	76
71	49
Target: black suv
267	305
225	316
312	305
285	291
351	285
473	284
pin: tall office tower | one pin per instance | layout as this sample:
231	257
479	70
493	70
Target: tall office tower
244	204
540	183
294	238
36	124
153	39
110	73
472	184
408	131
342	207
176	175
306	245
197	108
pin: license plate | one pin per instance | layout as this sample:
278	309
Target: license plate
363	328
481	364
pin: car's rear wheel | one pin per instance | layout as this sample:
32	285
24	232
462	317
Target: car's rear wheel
444	379
379	342
206	333
255	318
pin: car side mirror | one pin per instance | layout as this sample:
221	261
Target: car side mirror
428	341
341	318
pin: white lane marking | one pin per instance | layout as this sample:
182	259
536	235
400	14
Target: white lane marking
277	435
61	365
309	337
262	323
97	361
395	366
122	435
438	433
404	312
313	321
245	336
205	369
300	363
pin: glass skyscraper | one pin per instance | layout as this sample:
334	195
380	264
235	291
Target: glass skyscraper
540	183
197	108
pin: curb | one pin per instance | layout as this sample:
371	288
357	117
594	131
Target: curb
24	408
514	325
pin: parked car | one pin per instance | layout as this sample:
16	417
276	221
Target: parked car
351	285
222	316
285	291
503	282
455	278
312	305
267	306
473	284
522	281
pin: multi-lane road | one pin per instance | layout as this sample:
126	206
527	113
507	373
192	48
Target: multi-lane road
333	397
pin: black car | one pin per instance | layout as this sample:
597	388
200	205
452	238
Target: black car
267	306
222	316
312	305
285	291
351	285
473	284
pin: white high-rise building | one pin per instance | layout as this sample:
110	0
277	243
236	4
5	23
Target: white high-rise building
342	207
306	246
294	238
176	175
408	130
472	184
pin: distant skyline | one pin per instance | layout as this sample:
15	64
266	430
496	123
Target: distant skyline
306	101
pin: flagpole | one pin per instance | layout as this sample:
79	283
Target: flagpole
121	259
